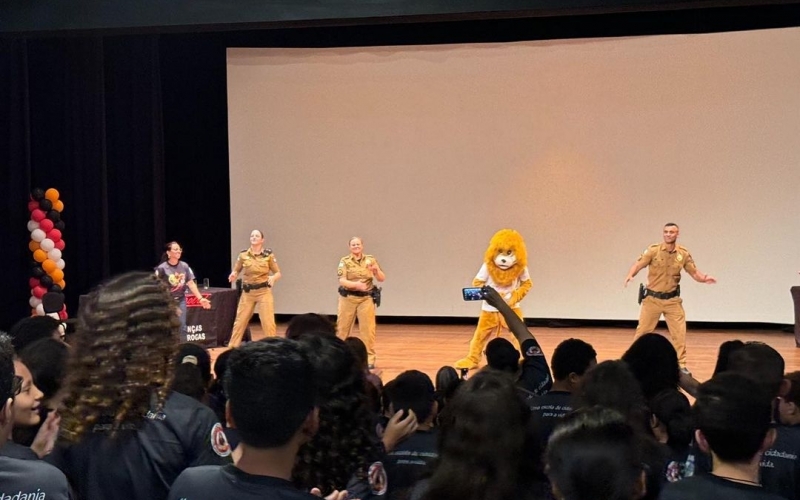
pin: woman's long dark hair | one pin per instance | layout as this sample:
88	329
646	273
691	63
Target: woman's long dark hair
487	449
121	357
345	444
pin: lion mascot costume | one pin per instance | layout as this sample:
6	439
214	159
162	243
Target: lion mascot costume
505	268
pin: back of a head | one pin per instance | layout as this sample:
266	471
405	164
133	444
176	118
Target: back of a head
359	350
413	390
121	353
653	361
725	350
196	355
346	443
612	385
28	330
271	391
334	365
734	415
486	445
572	356
6	369
594	453
47	361
672	408
188	380
309	323
502	355
447	381
760	363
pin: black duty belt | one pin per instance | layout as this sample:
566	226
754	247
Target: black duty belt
344	292
255	286
662	295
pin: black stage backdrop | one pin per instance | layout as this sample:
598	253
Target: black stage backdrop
132	130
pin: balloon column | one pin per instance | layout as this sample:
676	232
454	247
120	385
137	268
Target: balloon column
46	246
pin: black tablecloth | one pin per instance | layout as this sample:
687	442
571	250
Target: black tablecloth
211	327
796	297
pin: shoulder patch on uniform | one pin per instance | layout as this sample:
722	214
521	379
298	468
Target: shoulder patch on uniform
533	350
219	441
378	482
340	270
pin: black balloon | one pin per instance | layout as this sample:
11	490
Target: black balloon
53	215
46	281
45	204
54	288
59	225
37	194
37	272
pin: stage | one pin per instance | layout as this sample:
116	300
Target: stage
429	347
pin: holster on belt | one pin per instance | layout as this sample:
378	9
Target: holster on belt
376	296
642	293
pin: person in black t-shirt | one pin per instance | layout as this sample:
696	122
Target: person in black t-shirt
733	417
534	373
412	391
21	478
571	358
271	402
123	434
780	466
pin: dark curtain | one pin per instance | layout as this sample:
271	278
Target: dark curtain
82	115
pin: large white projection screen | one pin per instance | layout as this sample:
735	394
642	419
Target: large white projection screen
587	147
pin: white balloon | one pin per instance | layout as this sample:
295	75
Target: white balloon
40	310
38	235
54	254
60	263
47	244
34	302
32	224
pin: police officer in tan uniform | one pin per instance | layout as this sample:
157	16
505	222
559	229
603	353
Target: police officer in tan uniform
663	293
356	275
255	263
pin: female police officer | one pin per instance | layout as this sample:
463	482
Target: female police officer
357	273
255	263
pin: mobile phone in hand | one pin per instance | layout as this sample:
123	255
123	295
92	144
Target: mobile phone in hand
472	293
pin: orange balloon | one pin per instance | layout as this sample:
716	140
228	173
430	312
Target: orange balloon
51	194
48	265
40	255
62	284
58	205
57	275
33	245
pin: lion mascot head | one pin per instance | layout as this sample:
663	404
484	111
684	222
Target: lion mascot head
506	256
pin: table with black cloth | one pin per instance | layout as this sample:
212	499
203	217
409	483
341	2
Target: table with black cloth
211	327
796	297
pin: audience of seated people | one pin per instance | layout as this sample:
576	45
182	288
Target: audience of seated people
127	412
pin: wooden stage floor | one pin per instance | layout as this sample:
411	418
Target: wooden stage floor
429	347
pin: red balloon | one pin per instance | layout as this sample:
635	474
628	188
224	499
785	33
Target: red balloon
33	282
54	234
39	292
37	215
33	205
45	225
60	244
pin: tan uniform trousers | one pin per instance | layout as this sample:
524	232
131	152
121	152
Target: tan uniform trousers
672	309
247	305
363	308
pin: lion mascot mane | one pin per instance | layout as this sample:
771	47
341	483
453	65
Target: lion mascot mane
505	268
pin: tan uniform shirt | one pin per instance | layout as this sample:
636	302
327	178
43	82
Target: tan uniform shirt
352	269
256	267
664	271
